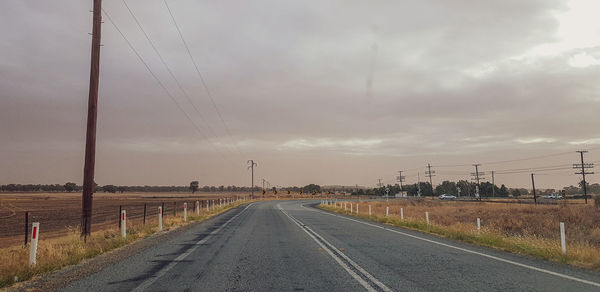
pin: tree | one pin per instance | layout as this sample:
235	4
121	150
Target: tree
503	191
109	189
69	187
311	188
446	187
194	186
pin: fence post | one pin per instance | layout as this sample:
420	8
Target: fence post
478	225
402	214
144	213
35	231
123	224
563	242
427	217
26	226
184	212
160	214
387	211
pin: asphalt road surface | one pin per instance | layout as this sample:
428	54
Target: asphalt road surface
291	246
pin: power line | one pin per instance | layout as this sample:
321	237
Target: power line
185	94
208	92
158	80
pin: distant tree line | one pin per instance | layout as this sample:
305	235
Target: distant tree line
72	187
467	188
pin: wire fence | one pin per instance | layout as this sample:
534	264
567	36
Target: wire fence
59	217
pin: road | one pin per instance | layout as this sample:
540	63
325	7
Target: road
291	246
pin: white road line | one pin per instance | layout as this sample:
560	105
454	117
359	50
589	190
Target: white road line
146	284
330	246
464	249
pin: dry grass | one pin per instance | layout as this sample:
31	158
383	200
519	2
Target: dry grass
524	229
56	253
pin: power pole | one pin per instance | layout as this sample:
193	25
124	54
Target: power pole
400	179
90	136
379	183
477	177
418	184
583	166
533	185
493	185
430	173
251	166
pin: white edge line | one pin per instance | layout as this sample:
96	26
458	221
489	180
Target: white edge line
464	249
144	285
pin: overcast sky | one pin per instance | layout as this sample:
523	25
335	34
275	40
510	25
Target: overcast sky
326	92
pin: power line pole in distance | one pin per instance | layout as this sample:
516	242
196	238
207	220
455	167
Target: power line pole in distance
477	176
583	166
400	179
251	166
430	173
533	185
92	117
493	185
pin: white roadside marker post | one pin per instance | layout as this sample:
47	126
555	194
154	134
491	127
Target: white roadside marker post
478	225
356	208
159	218
35	230
197	208
369	210
387	211
351	208
123	224
427	217
402	214
345	206
563	242
207	205
184	212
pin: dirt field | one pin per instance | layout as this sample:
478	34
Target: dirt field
582	221
60	212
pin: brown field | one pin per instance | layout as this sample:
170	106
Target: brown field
582	221
60	213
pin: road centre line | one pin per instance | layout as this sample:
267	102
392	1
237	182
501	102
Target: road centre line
328	247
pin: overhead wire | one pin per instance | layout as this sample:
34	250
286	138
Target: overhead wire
158	81
168	68
202	79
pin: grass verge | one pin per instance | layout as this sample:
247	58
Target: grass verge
57	253
578	254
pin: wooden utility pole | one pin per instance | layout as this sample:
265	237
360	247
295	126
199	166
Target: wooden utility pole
251	166
90	137
533	185
430	173
493	185
400	179
583	172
